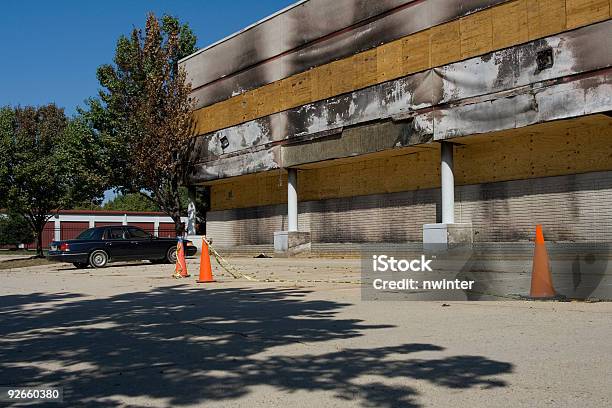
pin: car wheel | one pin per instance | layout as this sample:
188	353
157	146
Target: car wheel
171	255
81	265
98	259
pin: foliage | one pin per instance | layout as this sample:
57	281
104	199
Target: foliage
143	112
47	162
15	230
140	202
131	202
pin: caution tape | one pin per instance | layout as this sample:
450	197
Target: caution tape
236	274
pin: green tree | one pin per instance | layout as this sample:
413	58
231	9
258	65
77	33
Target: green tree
15	230
47	162
143	112
130	202
138	202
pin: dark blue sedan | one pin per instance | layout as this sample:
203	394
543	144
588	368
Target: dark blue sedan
101	245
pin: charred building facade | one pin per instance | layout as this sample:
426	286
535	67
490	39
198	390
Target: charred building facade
394	121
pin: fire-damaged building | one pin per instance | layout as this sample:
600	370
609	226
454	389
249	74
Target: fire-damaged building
352	121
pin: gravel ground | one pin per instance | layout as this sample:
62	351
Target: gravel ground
129	335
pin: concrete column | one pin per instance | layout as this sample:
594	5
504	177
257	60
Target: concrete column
156	227
292	201
125	219
57	228
447	183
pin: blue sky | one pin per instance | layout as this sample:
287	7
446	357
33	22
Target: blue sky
50	50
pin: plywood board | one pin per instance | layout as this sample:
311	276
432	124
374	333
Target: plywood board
321	84
510	24
545	150
365	66
389	61
269	99
445	43
581	12
545	17
476	34
416	52
342	76
299	89
249	104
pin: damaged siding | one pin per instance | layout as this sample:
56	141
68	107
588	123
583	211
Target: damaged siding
312	34
501	90
478	33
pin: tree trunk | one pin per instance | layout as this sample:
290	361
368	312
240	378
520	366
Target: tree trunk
39	239
179	227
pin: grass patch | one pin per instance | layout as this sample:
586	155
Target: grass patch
23	263
15	252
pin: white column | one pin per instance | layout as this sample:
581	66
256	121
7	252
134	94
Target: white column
57	235
156	227
92	221
125	220
292	200
447	183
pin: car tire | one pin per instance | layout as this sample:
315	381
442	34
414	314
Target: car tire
80	265
171	255
98	259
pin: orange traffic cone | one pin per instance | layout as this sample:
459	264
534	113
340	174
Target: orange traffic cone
205	269
541	279
180	269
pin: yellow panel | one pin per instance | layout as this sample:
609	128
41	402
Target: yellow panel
415	52
249	103
321	84
233	111
581	12
476	34
389	61
342	76
551	149
299	89
445	43
546	17
249	191
510	24
202	120
365	66
283	95
269	99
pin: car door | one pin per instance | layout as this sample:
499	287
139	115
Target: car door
116	243
141	243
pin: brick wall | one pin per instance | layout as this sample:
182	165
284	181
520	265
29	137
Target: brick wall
571	208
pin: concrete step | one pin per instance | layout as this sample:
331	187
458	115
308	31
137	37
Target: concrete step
490	251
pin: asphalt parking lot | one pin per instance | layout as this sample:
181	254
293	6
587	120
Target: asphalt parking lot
131	336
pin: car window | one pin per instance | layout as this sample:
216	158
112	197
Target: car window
114	233
90	234
137	233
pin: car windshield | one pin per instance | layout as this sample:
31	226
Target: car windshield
89	234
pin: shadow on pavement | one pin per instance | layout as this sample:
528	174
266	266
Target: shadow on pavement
191	346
